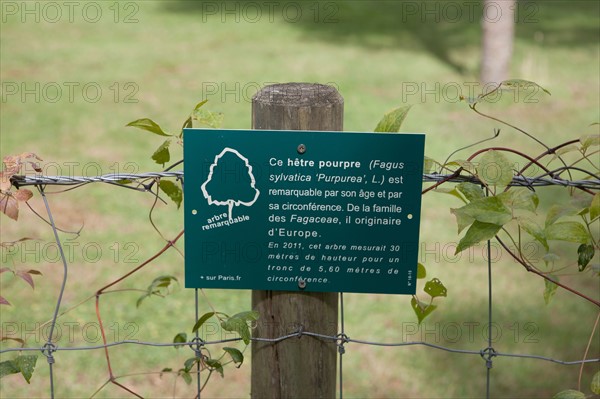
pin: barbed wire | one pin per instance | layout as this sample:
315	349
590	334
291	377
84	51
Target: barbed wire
125	178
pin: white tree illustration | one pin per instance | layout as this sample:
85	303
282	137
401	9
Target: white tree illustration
230	189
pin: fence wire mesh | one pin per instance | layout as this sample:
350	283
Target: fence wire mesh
50	350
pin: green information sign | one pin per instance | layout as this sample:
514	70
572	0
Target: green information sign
295	210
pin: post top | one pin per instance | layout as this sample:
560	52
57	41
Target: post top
298	95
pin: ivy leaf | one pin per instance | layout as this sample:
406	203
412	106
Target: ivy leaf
180	339
549	288
565	150
520	198
567	231
8	367
588	141
585	253
569	394
172	190
186	377
208	118
435	288
451	191
138	303
486	210
595	207
514	84
215	365
582	201
477	233
202	320
471	191
189	364
161	283
187	124
462	219
161	156
239	323
421	271
200	104
236	355
533	230
26	365
428	164
159	287
595	385
148	125
466	165
392	121
494	169
421	309
558	211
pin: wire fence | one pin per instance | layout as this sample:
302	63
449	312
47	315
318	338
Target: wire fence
340	340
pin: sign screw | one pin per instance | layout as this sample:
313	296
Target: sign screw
301	149
301	284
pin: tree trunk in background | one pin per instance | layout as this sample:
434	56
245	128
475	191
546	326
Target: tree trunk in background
498	31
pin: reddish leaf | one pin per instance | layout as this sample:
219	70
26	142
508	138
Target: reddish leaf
23	195
8	244
9	206
15	161
19	340
5	183
4	269
4	301
26	277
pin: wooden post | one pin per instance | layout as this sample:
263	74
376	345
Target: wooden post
302	367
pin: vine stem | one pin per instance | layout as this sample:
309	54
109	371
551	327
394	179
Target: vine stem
444	180
102	291
586	351
505	149
64	312
473	107
537	272
548	152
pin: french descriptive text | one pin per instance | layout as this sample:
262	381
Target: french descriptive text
312	203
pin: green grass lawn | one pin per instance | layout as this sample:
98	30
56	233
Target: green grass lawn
158	60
